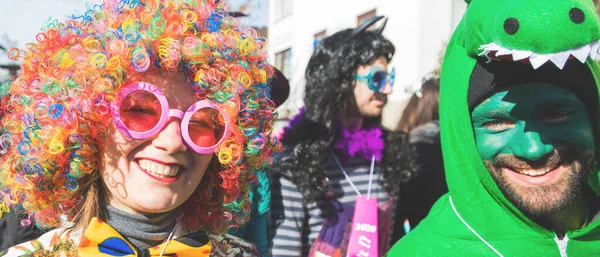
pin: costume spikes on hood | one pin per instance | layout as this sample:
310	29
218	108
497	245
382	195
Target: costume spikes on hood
534	32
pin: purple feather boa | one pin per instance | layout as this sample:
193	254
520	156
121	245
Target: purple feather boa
364	143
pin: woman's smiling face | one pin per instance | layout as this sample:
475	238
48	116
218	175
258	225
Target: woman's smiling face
159	173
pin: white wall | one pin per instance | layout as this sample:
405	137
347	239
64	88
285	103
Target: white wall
418	29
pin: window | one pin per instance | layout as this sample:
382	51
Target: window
283	62
365	17
283	8
318	37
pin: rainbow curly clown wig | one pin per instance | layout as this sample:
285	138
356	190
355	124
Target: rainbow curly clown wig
58	106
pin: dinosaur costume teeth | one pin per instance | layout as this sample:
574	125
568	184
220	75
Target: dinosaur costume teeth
495	51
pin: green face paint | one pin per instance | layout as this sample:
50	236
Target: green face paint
530	121
537	142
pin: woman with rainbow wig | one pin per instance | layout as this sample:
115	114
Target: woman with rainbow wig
136	129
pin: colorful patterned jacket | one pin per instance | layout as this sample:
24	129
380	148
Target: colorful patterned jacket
100	239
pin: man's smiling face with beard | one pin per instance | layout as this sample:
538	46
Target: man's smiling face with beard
537	141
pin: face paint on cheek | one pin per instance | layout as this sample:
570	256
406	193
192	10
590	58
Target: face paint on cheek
579	136
529	121
537	143
493	126
491	145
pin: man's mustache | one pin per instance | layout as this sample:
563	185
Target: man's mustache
516	163
381	97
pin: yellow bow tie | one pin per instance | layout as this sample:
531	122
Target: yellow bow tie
100	239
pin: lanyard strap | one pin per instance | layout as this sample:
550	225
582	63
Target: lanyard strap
350	180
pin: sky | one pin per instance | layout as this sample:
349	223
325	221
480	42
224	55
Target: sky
21	20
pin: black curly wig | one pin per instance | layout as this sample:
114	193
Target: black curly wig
329	92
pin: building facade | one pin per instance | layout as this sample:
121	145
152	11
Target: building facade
418	29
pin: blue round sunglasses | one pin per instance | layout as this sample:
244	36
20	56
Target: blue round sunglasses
377	78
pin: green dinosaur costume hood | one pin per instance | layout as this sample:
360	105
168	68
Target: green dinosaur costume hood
531	31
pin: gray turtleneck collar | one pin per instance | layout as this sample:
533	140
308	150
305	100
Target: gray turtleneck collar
143	231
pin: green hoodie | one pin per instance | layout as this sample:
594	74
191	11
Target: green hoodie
544	29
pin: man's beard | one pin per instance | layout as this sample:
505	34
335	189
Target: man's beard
551	198
374	113
371	113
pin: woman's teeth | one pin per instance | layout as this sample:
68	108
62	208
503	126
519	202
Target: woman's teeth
159	170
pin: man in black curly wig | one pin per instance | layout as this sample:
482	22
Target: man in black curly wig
337	132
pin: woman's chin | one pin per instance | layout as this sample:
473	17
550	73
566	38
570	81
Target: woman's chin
158	206
155	208
153	205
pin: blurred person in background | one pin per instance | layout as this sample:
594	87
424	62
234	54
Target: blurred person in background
257	228
422	156
331	147
14	232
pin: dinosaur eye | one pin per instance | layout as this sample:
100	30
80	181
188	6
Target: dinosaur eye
511	25
577	15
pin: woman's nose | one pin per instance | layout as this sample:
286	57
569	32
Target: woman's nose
169	138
